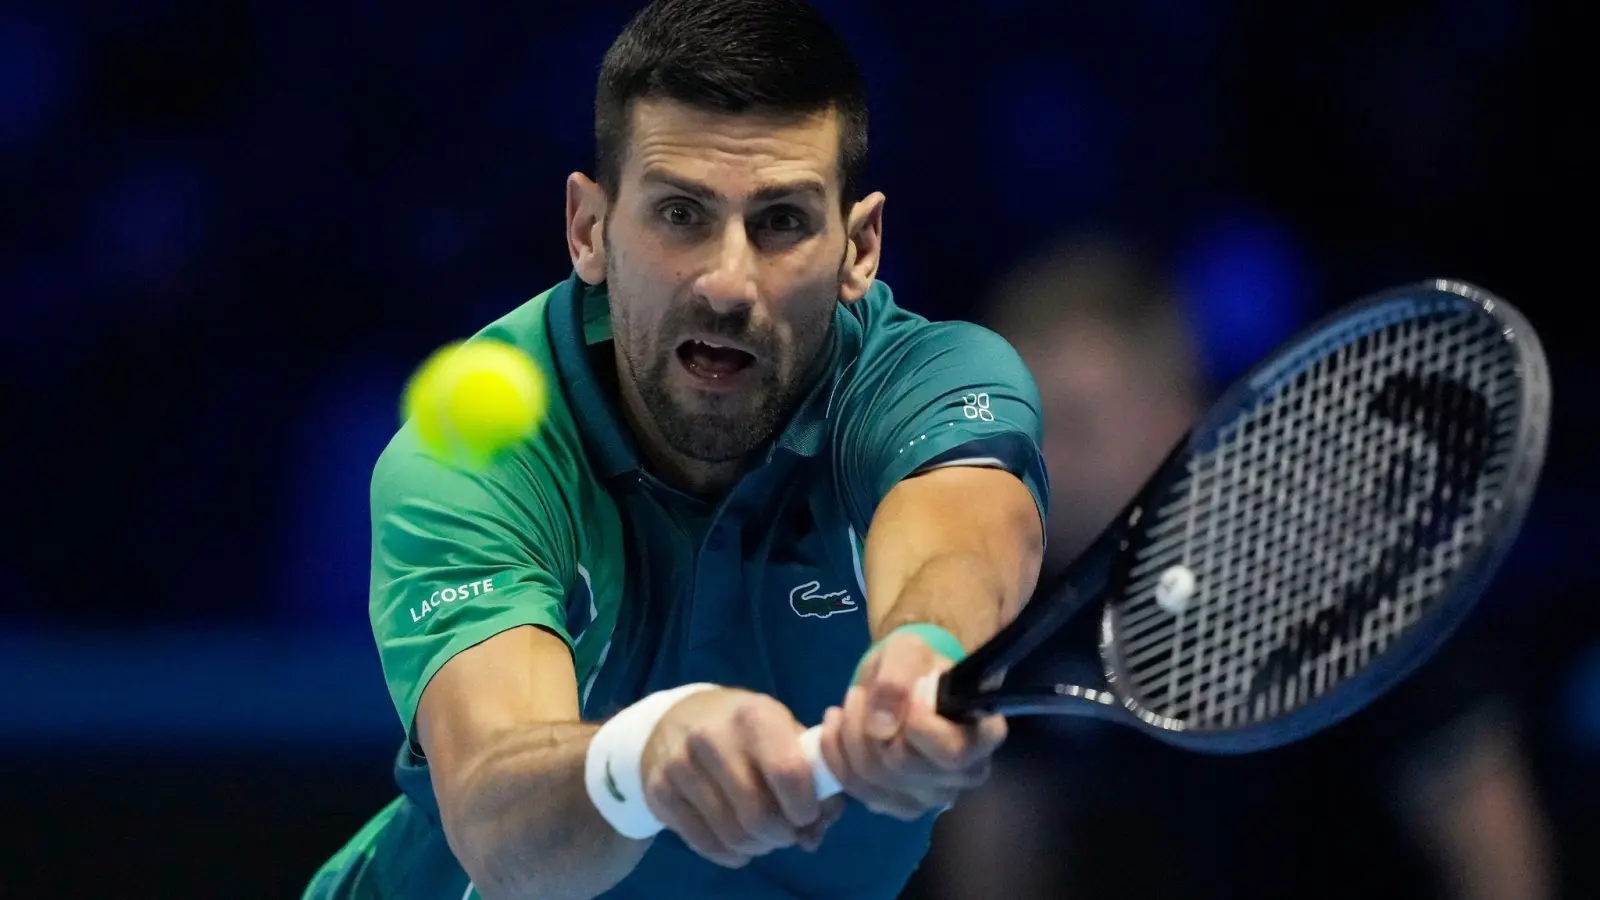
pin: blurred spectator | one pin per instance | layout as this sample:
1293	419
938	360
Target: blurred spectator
1081	809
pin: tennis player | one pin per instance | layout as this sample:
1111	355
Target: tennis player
766	496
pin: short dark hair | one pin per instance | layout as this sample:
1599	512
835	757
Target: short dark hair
731	56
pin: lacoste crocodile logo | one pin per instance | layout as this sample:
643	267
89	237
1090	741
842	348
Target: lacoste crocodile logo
805	601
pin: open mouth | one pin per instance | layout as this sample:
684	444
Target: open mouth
712	360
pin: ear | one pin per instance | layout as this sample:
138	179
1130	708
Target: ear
586	221
863	248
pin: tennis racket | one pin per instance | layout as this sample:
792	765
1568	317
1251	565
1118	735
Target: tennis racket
1315	536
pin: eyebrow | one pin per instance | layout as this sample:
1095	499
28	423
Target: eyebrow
764	194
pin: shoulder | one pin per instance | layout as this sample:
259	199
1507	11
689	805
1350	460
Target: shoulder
526	327
893	343
914	393
543	485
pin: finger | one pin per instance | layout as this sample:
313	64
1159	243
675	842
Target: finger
951	745
873	783
869	667
885	763
992	731
899	664
832	811
945	744
811	835
917	777
944	798
860	751
701	790
759	826
682	819
977	774
785	771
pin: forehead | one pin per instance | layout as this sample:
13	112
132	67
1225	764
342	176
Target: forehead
735	153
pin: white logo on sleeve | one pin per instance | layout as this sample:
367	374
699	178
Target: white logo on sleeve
450	595
976	406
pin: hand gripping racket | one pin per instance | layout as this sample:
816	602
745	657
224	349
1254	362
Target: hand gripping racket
1316	535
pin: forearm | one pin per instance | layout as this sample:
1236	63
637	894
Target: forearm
959	548
522	823
960	592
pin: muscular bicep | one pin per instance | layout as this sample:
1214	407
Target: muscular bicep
517	678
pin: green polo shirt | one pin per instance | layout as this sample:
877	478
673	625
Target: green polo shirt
653	588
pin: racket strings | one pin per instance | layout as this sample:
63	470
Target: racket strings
1320	523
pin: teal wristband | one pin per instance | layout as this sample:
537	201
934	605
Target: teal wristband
942	641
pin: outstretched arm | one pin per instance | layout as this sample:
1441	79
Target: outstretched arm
958	548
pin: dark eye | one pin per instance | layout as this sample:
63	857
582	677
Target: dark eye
679	214
786	220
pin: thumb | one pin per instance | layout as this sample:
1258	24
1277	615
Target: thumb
902	661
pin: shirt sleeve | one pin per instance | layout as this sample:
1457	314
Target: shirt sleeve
940	394
457	558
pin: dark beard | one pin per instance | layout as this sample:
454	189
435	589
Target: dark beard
711	436
708	435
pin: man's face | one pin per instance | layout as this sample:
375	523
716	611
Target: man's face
724	247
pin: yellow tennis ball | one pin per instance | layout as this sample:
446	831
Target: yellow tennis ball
471	401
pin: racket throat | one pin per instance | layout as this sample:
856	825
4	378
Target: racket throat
1061	699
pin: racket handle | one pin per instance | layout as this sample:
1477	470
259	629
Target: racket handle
821	775
827	784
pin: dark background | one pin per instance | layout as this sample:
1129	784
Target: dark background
228	230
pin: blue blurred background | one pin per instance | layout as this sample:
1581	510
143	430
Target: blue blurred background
228	230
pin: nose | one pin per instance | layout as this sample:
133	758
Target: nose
729	286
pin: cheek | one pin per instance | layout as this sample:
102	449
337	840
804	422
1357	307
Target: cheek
643	332
631	328
807	328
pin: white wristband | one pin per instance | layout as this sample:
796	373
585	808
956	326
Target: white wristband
611	770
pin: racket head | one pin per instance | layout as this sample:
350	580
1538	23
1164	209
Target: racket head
1391	450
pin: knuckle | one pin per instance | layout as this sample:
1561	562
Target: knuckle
764	829
748	716
657	789
759	709
789	762
893	756
866	768
768	819
677	769
703	742
891	685
880	760
727	833
789	774
744	708
749	818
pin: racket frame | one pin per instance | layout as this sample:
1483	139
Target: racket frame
977	684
